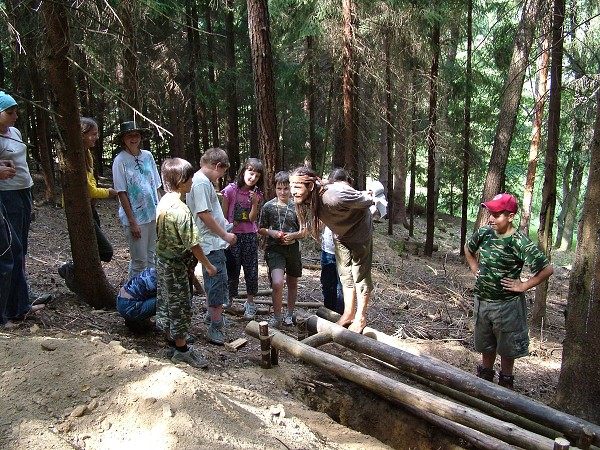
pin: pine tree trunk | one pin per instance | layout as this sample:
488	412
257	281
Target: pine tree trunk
89	276
432	139
507	117
131	90
212	79
550	161
264	89
232	128
348	64
193	42
413	152
578	389
311	102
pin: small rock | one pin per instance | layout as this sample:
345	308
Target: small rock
79	411
92	405
64	427
56	373
34	329
49	345
105	425
93	393
167	411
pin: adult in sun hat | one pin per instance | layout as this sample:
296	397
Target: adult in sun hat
500	309
136	180
15	193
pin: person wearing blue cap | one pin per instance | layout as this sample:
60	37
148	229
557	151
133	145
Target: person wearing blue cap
16	201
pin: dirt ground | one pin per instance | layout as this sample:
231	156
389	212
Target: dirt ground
74	377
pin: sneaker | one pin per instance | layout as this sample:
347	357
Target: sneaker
215	334
486	374
250	311
276	322
288	319
66	272
226	322
191	357
507	381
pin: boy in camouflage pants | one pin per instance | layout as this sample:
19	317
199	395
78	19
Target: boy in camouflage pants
500	310
177	248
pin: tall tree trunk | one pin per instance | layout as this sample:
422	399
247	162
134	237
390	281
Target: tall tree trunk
311	102
264	89
432	138
467	131
413	152
131	90
578	389
89	276
232	128
349	69
212	79
193	43
539	94
511	99
550	161
390	130
566	242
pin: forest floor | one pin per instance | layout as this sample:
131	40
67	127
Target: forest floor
74	377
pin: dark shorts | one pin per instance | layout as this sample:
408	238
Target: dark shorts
286	258
501	327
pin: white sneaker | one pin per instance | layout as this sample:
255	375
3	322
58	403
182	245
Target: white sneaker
249	311
288	319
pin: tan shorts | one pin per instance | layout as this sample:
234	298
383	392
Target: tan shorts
501	327
354	262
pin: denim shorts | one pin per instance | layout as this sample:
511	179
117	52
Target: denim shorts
217	287
501	327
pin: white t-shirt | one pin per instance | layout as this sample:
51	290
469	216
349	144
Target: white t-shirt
138	177
203	197
13	148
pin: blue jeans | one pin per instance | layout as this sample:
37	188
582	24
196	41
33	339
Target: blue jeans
217	287
331	286
132	309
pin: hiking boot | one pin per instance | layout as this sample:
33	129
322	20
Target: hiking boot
507	381
226	322
276	322
191	357
288	319
215	333
249	311
66	272
486	374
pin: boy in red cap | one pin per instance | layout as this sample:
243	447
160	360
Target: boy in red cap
500	310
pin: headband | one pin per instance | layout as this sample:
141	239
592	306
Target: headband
302	179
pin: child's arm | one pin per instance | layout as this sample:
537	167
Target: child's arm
136	231
213	226
225	206
517	285
254	209
471	261
201	257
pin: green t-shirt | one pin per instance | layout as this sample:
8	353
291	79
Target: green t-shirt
502	258
176	231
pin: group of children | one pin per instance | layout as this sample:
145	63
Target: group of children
168	236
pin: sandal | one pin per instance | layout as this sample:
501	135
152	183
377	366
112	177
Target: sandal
43	299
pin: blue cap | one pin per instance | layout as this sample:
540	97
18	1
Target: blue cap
6	101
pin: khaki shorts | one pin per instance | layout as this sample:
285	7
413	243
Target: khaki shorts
286	258
501	327
354	262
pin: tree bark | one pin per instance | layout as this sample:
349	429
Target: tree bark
550	161
511	98
193	42
212	79
311	102
349	69
413	152
89	277
264	89
131	90
432	139
232	128
578	389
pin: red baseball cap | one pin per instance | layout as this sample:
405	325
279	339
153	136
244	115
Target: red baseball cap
501	202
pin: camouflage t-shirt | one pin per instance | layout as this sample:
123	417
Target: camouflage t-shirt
279	217
502	258
176	231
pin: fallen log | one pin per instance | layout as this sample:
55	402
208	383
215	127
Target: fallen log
400	392
269	302
448	375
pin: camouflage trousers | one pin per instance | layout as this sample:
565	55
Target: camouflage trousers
174	299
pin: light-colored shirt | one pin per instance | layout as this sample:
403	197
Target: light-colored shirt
138	177
203	197
13	148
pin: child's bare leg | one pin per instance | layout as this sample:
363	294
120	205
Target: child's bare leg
180	342
488	359
215	313
360	319
507	365
349	306
277	290
292	292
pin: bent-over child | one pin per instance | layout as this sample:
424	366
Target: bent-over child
279	222
206	209
500	309
136	299
177	249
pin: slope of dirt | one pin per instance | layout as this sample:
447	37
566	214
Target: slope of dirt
73	377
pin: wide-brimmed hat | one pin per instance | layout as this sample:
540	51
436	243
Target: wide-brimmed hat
129	126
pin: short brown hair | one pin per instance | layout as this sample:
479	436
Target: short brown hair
282	177
214	156
174	172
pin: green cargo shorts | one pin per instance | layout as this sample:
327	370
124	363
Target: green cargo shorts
286	258
501	327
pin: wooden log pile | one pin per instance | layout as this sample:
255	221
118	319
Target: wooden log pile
522	422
